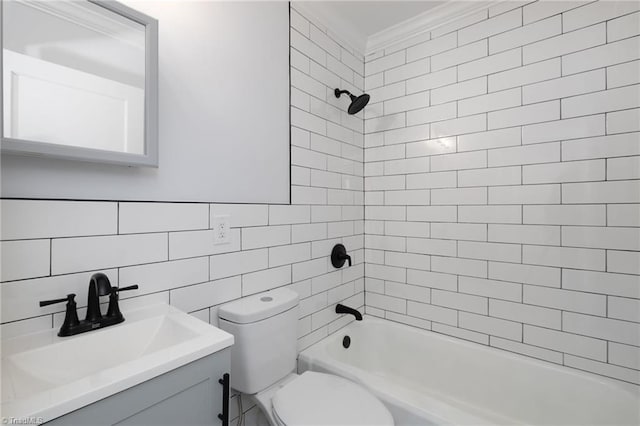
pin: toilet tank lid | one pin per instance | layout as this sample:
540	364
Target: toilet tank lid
259	307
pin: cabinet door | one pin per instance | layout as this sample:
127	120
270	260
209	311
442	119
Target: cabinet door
189	395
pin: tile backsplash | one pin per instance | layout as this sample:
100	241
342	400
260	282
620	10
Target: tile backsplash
502	160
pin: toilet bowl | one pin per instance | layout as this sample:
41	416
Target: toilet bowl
263	361
321	399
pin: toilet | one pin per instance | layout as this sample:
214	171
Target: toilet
263	365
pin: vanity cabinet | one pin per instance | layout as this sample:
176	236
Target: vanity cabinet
188	395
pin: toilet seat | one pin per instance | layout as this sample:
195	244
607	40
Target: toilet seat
324	399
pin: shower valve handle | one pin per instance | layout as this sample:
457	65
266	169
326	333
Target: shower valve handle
339	256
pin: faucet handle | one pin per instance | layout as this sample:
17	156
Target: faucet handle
113	291
71	321
70	298
118	289
113	311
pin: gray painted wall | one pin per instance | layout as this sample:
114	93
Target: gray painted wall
224	133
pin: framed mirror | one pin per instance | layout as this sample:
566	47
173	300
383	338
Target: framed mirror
79	81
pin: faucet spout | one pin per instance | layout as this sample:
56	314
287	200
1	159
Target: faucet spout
342	309
99	285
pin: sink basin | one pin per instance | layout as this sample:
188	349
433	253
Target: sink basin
47	376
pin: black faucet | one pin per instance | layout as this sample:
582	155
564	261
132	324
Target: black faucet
99	285
342	309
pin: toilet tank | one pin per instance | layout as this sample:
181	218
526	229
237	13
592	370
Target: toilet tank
265	328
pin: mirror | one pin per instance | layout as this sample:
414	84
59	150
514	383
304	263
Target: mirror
79	81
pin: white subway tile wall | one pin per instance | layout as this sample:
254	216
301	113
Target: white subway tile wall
502	204
51	248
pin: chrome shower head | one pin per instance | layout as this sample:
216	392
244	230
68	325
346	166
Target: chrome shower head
357	102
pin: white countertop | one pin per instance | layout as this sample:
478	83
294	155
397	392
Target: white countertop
47	376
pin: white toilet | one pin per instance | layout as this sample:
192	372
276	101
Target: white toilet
263	364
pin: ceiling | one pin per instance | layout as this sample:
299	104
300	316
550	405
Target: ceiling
371	17
357	21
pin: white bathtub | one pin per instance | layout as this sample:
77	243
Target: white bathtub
426	378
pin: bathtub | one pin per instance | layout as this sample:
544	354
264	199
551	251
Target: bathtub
425	378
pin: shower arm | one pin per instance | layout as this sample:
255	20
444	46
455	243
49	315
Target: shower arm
339	92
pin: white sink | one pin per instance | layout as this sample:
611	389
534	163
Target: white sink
46	376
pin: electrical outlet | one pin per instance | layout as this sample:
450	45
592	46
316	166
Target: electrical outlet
221	230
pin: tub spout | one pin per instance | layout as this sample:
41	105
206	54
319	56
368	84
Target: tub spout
341	309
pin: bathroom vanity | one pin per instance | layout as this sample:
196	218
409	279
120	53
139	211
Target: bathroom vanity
160	366
188	395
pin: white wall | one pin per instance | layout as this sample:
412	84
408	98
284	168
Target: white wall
501	182
224	117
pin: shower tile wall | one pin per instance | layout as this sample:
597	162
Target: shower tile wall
51	248
502	159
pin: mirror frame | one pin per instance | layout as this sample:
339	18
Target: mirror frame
150	157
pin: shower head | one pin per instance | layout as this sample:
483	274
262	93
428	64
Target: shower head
357	102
